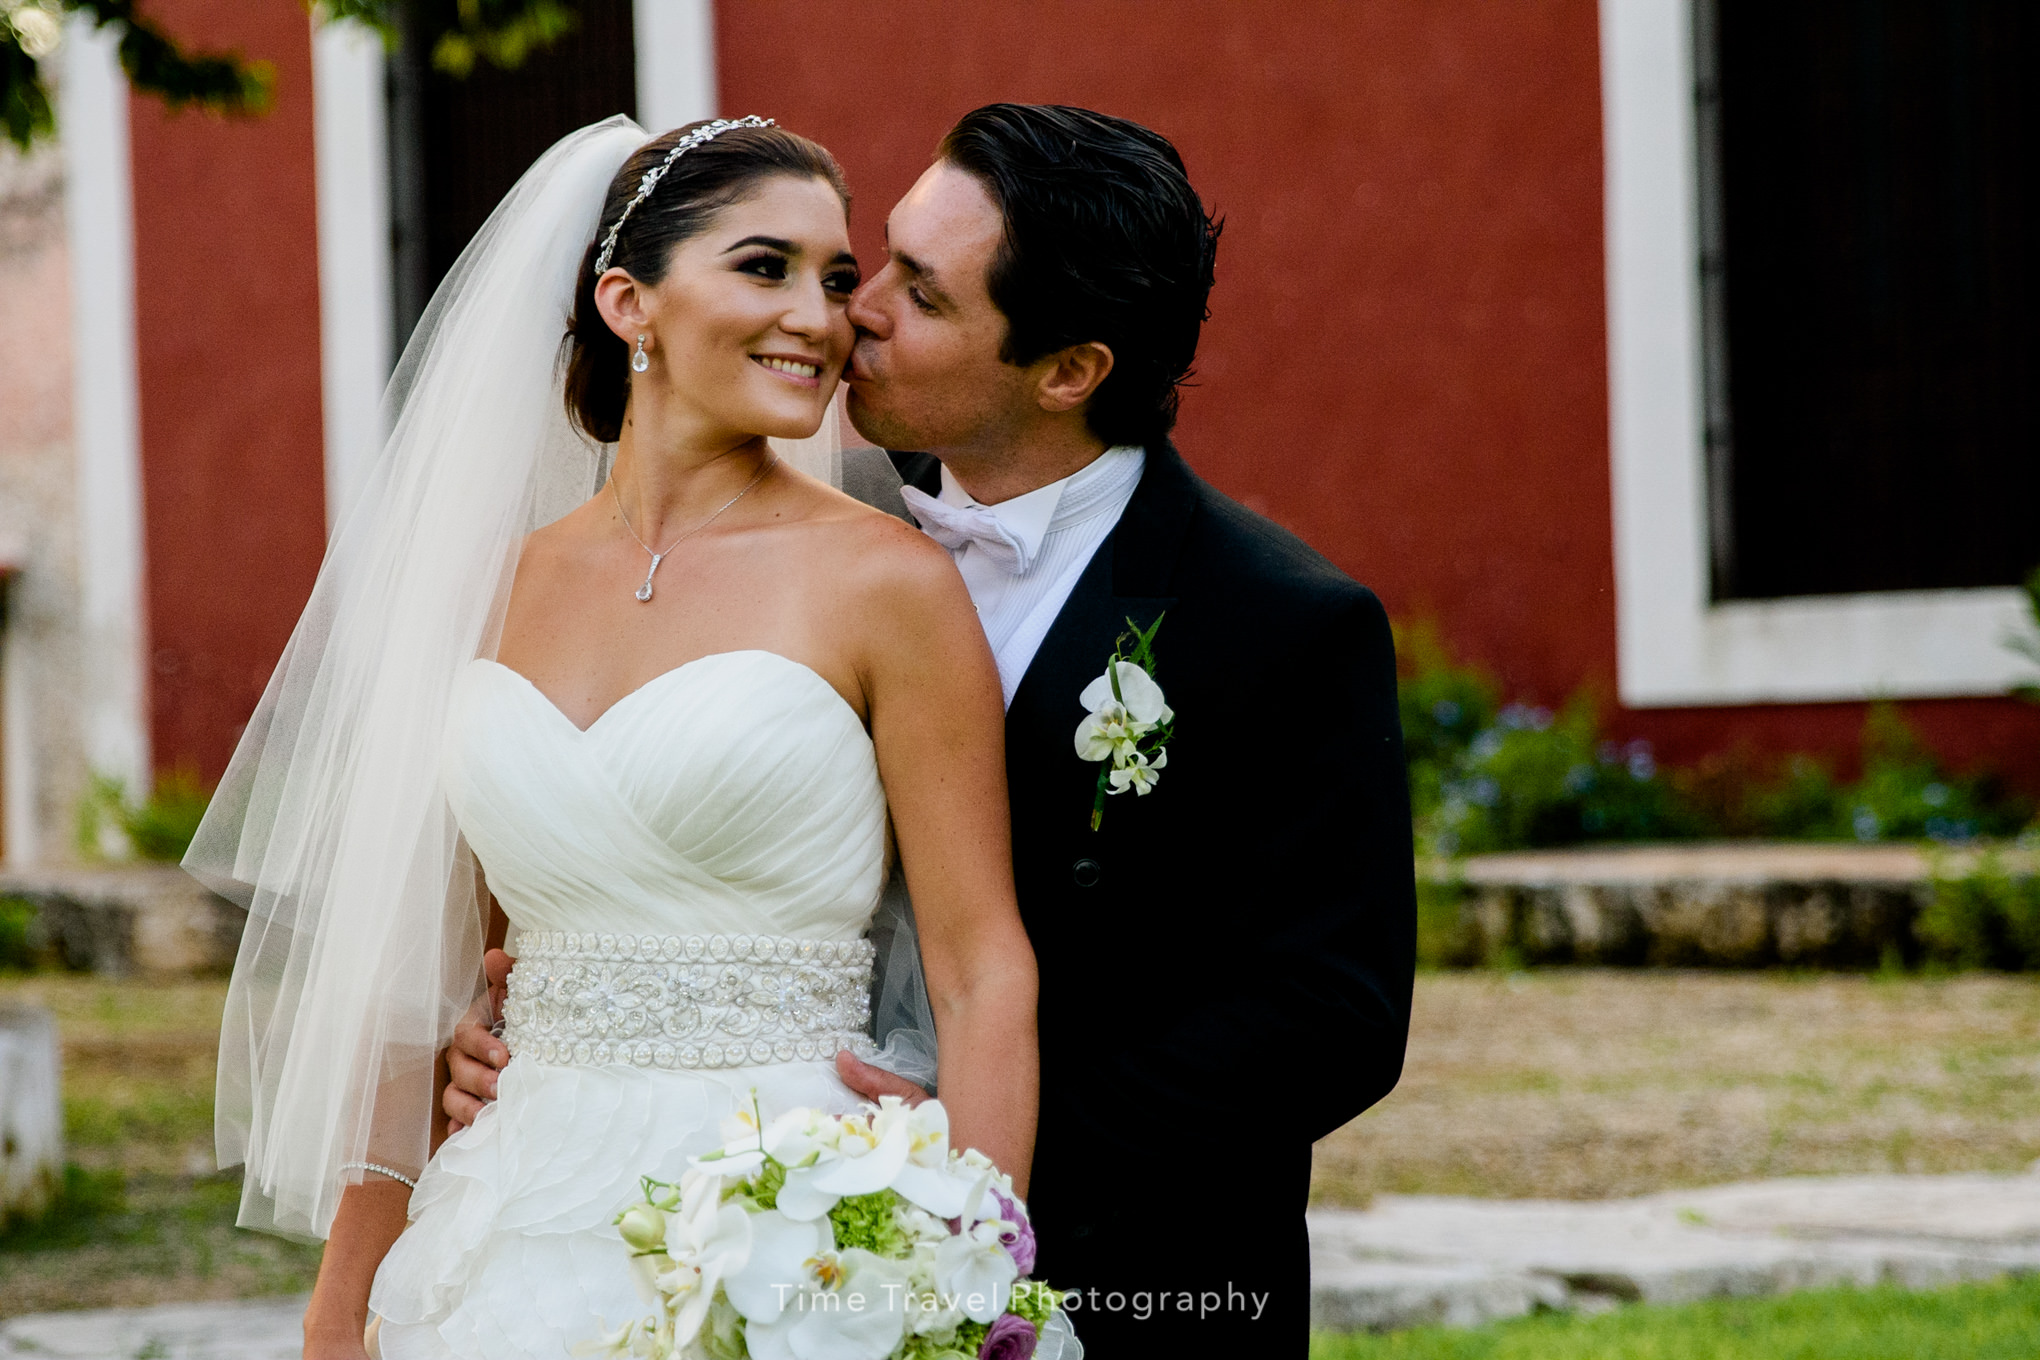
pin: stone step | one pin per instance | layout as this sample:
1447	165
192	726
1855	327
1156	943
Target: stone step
1736	904
122	919
1410	1260
260	1329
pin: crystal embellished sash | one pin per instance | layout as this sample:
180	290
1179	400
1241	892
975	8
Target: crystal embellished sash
678	1001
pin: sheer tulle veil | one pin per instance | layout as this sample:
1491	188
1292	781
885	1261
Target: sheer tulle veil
363	943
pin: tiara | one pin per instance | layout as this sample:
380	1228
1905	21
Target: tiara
707	132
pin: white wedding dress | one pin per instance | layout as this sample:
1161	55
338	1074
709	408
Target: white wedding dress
689	881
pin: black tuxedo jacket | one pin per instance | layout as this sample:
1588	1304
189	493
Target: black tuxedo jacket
1226	964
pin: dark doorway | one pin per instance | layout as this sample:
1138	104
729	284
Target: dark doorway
457	145
1869	172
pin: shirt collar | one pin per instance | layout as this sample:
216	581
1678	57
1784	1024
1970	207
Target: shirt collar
1077	497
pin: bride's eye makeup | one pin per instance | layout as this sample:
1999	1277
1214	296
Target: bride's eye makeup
842	280
764	265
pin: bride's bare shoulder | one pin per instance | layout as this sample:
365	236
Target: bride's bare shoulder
882	561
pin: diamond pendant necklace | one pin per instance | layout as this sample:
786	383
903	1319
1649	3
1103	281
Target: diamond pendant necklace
644	592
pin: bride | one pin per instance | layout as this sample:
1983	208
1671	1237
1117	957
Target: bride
670	728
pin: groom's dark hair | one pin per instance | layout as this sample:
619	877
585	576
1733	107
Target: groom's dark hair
1105	241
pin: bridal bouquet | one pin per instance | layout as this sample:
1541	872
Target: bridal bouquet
824	1237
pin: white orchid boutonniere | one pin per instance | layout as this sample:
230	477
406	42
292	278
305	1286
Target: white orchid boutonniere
1129	723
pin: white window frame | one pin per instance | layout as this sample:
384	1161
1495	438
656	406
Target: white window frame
1675	646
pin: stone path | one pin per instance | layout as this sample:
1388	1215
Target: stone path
1416	1259
266	1329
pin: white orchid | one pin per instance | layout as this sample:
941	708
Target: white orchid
1127	722
779	1266
1137	698
707	1240
976	1271
800	1137
1138	773
742	1152
851	1306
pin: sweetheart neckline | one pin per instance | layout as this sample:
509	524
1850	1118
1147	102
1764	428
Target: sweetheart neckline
667	674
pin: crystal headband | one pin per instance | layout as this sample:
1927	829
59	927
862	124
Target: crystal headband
707	132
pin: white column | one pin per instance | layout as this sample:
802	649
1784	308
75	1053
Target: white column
17	736
675	62
351	145
99	221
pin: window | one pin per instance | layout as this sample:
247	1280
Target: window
458	145
1867	178
1797	519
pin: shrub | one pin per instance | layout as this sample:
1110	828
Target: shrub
1983	917
22	947
159	828
1485	776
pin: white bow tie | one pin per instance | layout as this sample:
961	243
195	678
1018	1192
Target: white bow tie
953	526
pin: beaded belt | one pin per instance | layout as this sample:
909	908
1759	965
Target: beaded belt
679	1001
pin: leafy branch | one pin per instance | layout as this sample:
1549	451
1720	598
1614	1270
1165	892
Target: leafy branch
502	33
2027	644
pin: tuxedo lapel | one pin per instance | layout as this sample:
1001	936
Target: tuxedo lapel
1130	576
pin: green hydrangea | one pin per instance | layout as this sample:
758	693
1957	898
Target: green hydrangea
1035	1302
961	1344
867	1221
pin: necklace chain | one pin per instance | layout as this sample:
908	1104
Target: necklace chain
644	592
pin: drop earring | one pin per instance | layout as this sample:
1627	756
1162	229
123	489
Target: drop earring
640	361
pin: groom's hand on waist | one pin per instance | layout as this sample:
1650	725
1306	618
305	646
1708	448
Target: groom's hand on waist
477	1055
873	1082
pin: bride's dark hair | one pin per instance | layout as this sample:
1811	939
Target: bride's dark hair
699	185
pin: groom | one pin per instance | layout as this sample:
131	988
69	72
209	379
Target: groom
1225	956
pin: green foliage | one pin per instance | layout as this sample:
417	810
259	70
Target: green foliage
22	948
867	1221
1488	776
83	1200
2027	644
1994	1321
25	108
158	828
1984	917
503	33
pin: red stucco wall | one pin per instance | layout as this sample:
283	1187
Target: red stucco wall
1406	361
227	320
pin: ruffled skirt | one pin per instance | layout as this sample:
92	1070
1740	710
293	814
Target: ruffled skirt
511	1251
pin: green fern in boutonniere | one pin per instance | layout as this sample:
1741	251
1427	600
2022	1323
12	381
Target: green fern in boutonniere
1128	724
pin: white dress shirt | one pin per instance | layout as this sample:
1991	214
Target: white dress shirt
1060	527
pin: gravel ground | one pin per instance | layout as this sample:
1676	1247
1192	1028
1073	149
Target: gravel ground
1588	1084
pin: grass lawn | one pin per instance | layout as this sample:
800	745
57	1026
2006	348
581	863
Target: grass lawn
145	1218
1595	1083
1999	1321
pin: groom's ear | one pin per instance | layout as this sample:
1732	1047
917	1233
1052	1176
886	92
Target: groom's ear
621	300
1070	377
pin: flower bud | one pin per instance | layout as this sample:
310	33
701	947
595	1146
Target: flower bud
643	1227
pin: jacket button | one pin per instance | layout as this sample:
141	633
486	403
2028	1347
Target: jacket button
1087	873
